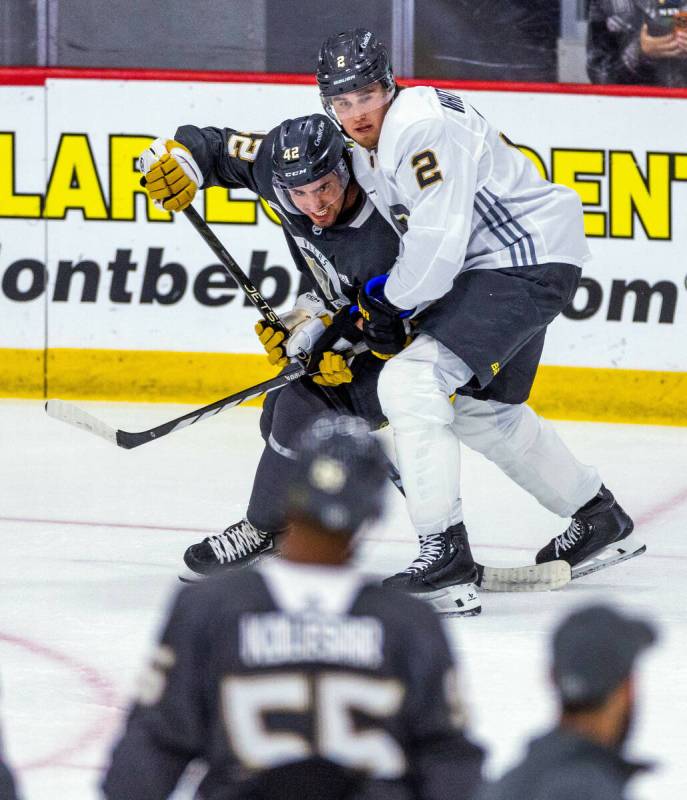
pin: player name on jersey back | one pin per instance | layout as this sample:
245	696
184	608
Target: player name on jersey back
279	638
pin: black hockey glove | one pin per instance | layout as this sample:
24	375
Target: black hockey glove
383	327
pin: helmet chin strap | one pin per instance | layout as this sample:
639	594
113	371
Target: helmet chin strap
344	172
329	111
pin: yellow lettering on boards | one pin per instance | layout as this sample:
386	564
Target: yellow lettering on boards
219	207
634	194
125	179
74	182
566	168
13	204
269	211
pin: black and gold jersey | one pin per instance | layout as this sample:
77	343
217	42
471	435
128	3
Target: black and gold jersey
334	261
292	664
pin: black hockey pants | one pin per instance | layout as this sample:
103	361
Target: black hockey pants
284	415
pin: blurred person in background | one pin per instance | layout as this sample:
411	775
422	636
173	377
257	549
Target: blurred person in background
301	678
8	789
637	41
593	667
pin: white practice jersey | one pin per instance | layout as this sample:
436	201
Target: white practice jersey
462	198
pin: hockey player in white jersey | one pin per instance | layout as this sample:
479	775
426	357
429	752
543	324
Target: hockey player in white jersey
491	253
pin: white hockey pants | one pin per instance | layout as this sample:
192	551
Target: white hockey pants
414	389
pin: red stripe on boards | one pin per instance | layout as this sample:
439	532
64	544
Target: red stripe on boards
36	76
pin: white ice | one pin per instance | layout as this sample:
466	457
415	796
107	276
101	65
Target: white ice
92	538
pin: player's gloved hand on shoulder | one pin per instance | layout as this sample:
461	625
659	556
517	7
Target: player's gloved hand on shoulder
383	327
172	176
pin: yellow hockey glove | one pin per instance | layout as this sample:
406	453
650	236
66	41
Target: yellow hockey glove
172	176
272	341
333	370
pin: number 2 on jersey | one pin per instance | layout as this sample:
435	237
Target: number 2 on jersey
243	146
426	168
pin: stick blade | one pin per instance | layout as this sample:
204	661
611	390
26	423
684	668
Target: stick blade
530	578
73	415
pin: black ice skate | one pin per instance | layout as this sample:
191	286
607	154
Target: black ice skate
444	574
239	545
599	536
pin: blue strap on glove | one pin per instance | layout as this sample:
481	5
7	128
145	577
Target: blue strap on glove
383	327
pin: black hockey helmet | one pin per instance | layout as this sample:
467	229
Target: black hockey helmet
306	149
351	60
339	476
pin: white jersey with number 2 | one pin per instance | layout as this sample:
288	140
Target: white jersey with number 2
462	197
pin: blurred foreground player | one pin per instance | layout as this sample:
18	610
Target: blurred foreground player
8	789
490	254
300	679
594	655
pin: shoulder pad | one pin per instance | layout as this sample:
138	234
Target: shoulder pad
414	110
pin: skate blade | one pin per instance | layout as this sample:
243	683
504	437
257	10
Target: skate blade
614	554
196	577
531	578
460	600
191	577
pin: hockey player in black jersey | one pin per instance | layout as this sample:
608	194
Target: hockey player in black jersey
338	241
8	790
491	254
300	679
7	786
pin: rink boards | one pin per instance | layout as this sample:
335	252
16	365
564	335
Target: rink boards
104	297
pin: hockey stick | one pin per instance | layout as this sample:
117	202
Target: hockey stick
73	415
244	282
534	577
67	412
251	292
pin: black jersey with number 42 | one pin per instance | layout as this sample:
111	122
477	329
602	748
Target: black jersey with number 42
289	664
336	260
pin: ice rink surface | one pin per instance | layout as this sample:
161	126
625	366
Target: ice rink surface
92	538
